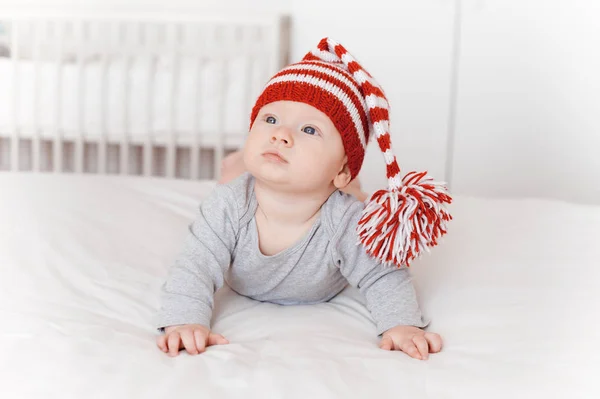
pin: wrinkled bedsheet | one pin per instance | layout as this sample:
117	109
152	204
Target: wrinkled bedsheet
513	289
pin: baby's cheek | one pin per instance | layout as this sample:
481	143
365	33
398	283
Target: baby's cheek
317	163
249	152
328	163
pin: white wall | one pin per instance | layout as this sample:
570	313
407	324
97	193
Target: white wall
528	110
407	46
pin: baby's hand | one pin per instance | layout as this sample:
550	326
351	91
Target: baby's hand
193	337
411	340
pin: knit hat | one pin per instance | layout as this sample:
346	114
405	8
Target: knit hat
397	224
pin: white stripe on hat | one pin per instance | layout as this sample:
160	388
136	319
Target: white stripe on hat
332	89
381	126
388	155
327	56
360	75
334	74
374	101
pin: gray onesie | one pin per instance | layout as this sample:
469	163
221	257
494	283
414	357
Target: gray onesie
222	247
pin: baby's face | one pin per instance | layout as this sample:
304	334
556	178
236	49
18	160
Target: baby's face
294	145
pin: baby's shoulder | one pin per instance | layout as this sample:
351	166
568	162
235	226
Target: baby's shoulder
237	192
341	211
241	186
229	200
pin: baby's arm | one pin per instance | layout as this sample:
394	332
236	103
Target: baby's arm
187	294
392	301
388	290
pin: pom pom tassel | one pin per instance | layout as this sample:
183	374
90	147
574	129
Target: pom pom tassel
398	224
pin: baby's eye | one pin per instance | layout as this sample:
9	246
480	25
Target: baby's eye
271	120
309	130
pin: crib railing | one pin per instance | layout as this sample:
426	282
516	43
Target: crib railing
73	45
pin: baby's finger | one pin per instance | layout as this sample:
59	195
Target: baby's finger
422	345
189	343
173	342
161	342
410	349
200	340
217	339
435	342
386	343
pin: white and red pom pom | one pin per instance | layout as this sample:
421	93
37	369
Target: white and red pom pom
398	225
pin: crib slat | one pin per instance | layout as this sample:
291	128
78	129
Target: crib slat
148	156
36	141
195	156
14	54
249	93
57	145
103	93
218	40
221	115
172	142
124	144
80	96
148	120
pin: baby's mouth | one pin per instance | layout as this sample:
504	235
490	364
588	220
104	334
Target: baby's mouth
274	156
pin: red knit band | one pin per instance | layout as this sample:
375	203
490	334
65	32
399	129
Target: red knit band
324	74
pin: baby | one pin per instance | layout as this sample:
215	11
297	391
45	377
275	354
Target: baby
284	232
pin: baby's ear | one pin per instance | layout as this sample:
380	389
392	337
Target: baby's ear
343	178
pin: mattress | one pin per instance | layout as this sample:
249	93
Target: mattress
512	290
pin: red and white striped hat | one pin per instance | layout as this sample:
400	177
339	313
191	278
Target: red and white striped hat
399	223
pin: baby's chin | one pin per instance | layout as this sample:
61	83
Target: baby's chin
284	177
272	175
302	186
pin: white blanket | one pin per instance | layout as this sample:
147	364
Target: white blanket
513	290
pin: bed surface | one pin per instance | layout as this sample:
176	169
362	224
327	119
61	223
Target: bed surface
513	290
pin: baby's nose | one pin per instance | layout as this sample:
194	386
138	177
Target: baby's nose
284	135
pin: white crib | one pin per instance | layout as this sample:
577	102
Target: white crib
152	95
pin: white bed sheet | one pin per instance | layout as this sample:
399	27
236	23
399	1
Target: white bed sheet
513	290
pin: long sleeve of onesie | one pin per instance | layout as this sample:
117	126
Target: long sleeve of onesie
388	290
187	294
